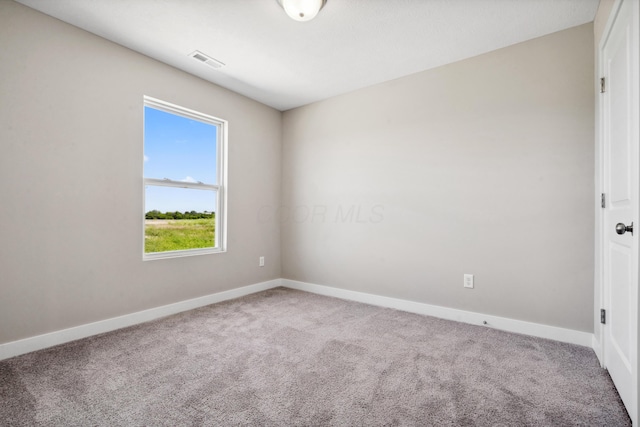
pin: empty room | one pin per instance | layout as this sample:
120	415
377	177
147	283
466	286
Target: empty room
319	212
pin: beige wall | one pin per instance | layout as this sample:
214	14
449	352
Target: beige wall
70	180
484	166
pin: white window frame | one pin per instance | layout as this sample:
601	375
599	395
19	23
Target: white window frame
220	188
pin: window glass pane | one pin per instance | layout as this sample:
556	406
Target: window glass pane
179	148
179	218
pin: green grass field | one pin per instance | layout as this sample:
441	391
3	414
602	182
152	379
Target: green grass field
175	235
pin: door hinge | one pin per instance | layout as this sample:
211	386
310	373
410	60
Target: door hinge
603	316
602	85
603	201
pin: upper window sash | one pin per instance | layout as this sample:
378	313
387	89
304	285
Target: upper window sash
221	135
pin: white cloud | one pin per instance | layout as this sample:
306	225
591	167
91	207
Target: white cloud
146	159
188	179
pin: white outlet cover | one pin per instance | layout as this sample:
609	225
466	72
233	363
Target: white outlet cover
468	281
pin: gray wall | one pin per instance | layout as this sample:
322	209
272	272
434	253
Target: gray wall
484	166
71	180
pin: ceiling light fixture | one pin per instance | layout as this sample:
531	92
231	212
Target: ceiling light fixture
302	10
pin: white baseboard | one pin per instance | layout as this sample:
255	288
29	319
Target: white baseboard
502	323
39	342
597	348
27	345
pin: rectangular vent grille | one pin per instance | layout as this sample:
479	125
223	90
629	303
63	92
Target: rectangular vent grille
213	63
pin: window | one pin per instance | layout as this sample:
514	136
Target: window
184	181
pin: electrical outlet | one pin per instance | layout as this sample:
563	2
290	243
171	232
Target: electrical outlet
468	281
261	261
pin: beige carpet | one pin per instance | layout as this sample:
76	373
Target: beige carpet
285	357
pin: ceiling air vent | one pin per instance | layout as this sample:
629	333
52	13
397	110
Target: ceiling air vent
213	63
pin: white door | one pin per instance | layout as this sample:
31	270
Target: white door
619	56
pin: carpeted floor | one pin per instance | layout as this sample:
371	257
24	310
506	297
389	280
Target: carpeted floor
285	357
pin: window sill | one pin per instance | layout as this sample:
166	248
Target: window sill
152	256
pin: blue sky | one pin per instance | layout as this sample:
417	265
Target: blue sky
180	149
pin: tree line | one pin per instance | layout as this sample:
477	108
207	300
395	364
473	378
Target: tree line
155	214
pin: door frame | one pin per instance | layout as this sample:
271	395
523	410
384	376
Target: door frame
599	331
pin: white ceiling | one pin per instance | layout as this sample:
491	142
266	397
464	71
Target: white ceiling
351	44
